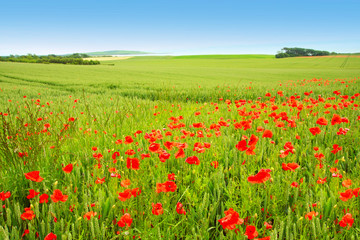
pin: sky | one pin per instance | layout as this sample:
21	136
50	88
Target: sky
178	26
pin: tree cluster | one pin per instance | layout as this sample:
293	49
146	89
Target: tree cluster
297	52
76	59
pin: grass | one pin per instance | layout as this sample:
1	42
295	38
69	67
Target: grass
54	115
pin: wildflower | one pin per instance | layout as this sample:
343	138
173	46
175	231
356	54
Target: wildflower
180	209
157	209
34	176
347	220
44	198
28	214
50	236
125	220
68	168
90	214
251	232
58	196
193	160
231	219
262	176
311	214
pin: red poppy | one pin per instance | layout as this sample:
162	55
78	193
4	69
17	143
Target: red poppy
347	183
321	180
171	176
180	153
100	180
315	130
68	168
34	176
157	209
32	194
90	214
123	196
50	236
193	160
44	198
154	147
347	220
28	214
125	220
133	163
125	183
230	220
336	119
251	232
215	164
128	140
311	214
322	121
242	145
58	196
290	166
336	148
345	196
262	176
4	195
267	134
180	209
168	186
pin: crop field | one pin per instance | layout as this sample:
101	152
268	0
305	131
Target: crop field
181	147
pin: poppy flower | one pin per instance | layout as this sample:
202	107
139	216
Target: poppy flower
125	183
168	186
128	140
34	176
180	153
345	196
133	163
68	168
231	219
294	185
346	183
336	119
290	166
100	180
267	134
215	164
171	176
347	220
4	195
322	121
32	194
242	145
262	176
193	160
311	214
123	196
180	209
90	214
154	147
267	225
157	209
58	196
251	232
315	130
321	180
50	236
44	198
125	220
336	148
28	214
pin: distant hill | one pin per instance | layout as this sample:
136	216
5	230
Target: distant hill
115	52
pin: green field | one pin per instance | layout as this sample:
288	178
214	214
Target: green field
147	77
181	147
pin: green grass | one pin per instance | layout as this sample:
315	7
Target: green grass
58	114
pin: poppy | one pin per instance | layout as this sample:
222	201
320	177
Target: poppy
336	148
346	183
125	183
315	130
242	145
100	180
231	219
267	134
347	220
90	214
321	180
32	194
125	220
193	160
262	176
68	168
311	214
28	214
322	121
58	196
168	186
251	232
345	196
34	176
336	119
5	195
133	163
157	209
154	147
180	209
290	166
50	236
44	198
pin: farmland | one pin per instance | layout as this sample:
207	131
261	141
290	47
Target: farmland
181	147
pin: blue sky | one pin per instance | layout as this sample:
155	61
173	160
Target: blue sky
178	26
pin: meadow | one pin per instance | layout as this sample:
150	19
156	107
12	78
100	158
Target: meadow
181	147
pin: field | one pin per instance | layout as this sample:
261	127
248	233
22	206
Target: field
181	147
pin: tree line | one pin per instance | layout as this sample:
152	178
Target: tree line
298	52
75	58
